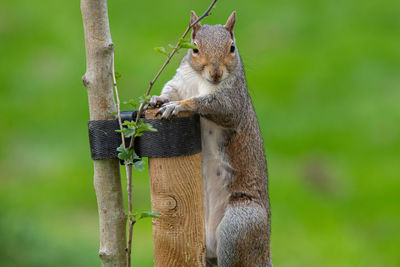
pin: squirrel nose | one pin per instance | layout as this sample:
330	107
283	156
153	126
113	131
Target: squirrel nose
216	76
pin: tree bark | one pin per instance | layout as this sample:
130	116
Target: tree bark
107	180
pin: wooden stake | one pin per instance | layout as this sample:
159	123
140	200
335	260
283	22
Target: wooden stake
177	193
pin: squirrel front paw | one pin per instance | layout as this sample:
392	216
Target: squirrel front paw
158	100
170	109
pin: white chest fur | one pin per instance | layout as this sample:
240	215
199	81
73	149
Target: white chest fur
216	176
215	164
191	84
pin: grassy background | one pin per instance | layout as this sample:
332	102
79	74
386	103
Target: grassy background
324	78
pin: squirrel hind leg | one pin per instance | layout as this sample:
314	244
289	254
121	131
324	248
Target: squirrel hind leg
243	237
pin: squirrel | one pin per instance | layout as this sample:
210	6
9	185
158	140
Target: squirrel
211	81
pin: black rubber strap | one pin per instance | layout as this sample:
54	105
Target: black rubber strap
175	137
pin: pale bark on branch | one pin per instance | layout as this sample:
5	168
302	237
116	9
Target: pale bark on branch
107	180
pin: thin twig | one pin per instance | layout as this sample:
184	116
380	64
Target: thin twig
132	221
128	169
205	14
118	102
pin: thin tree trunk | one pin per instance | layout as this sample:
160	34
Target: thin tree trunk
107	180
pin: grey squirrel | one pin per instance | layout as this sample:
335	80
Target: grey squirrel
211	82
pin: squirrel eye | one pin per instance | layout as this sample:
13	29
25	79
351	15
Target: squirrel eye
195	50
232	48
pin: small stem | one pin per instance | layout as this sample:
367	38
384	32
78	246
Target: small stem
130	208
129	189
128	169
139	113
118	102
131	224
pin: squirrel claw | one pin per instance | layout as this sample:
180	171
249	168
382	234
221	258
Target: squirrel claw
170	109
158	100
159	112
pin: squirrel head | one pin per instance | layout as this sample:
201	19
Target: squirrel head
215	55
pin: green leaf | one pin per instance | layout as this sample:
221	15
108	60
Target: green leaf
148	127
128	132
140	124
161	50
139	165
186	44
129	124
144	126
133	129
147	214
135	156
124	153
133	159
170	45
144	99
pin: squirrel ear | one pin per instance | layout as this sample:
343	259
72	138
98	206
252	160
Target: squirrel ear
197	26
230	23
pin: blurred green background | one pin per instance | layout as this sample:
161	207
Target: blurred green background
324	78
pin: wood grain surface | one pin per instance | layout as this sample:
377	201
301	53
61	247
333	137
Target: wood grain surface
177	193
